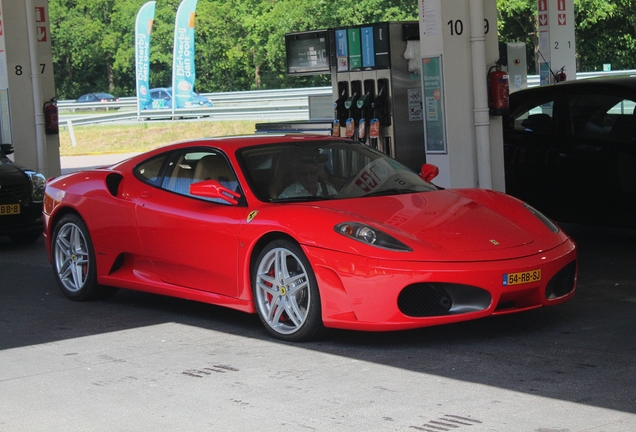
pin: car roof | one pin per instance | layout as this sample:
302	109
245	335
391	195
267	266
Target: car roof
620	82
229	144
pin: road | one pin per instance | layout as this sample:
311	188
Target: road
142	362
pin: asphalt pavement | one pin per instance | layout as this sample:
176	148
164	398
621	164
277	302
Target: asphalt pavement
142	362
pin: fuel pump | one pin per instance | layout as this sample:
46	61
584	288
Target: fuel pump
382	106
498	90
364	105
340	113
351	105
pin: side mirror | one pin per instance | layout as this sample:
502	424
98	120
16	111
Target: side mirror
6	149
214	189
429	172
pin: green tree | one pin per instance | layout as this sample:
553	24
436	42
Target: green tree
88	38
240	44
616	21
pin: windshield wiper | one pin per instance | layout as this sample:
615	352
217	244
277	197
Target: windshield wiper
392	191
302	199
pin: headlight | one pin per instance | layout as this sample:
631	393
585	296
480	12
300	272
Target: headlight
38	182
370	236
543	218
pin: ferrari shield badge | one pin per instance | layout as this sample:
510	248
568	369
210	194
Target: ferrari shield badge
252	215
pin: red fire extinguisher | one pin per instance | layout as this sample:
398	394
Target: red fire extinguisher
498	91
51	123
561	75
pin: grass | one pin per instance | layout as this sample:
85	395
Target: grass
139	137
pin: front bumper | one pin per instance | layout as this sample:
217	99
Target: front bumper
29	220
359	293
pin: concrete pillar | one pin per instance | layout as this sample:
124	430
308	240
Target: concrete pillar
26	80
462	139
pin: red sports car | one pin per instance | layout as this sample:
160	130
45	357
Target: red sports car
308	232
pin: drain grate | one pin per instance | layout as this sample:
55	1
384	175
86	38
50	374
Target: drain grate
200	373
448	422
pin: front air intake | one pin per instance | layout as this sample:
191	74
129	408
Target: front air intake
562	283
438	299
424	299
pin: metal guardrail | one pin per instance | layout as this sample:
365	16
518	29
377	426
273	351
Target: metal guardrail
290	111
277	105
285	104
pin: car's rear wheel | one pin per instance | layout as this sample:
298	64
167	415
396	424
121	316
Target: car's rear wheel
74	261
286	292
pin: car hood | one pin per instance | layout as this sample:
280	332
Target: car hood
7	168
451	225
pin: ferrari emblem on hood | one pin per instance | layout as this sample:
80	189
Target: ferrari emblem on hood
495	242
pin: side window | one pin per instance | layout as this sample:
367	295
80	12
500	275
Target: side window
196	166
602	116
539	118
150	170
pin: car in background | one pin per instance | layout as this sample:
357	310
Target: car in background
21	194
570	150
307	231
96	98
162	99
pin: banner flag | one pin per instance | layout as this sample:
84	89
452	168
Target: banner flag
143	27
183	71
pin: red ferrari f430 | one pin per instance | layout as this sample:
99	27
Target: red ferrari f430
307	231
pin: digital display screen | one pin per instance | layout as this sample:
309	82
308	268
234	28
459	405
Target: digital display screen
307	53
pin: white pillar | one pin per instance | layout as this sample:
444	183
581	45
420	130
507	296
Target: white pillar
29	75
461	137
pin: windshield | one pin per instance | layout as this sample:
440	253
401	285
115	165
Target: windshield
317	170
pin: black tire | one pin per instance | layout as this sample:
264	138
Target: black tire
286	293
73	260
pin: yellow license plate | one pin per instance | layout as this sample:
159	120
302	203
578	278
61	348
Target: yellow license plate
9	209
522	277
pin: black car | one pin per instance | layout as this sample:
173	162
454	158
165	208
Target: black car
570	150
21	194
96	97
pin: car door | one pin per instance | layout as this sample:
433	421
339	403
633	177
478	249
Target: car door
532	136
192	241
599	158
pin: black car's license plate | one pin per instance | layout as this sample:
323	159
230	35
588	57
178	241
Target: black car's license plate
522	277
9	209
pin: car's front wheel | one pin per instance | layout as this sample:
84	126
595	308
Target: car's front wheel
74	261
286	292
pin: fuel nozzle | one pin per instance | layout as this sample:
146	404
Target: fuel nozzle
350	103
340	113
379	104
339	110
